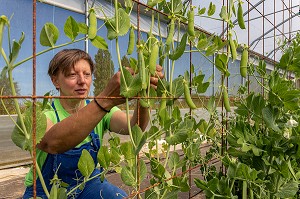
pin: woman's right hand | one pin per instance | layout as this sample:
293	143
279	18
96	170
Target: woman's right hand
110	96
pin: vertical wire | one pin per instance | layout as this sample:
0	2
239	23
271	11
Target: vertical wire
222	111
227	87
274	32
263	45
138	101
248	44
86	41
34	94
190	172
283	19
290	21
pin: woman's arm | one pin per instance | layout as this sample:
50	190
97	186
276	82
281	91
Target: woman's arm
68	133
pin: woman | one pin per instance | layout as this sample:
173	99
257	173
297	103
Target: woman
75	124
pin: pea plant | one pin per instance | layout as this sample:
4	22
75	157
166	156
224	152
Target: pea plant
261	159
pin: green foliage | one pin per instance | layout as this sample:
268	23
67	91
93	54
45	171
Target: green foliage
104	70
118	29
263	152
23	137
290	60
86	164
6	91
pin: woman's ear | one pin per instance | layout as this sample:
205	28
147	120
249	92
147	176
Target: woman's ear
54	80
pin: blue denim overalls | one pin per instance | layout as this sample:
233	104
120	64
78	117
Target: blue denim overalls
65	165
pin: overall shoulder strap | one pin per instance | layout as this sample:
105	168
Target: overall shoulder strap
52	104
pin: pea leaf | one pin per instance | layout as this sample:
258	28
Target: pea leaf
201	86
221	63
181	183
104	157
224	14
173	160
18	135
177	138
71	28
99	42
138	137
287	190
201	11
157	169
201	184
178	89
142	170
130	86
211	9
82	28
114	156
49	35
86	163
133	64
152	3
15	49
123	25
173	7
127	177
128	152
269	116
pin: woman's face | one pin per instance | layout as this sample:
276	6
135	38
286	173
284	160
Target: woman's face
76	82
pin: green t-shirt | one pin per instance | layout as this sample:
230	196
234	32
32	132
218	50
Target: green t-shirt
41	156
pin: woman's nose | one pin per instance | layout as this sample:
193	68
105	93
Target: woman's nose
80	79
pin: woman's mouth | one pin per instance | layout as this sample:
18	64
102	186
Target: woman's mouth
81	91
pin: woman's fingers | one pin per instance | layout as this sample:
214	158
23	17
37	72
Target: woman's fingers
159	71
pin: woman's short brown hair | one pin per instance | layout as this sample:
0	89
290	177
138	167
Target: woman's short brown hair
65	59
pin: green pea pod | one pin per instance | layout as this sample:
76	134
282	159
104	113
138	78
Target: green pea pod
179	49
171	32
131	41
244	189
3	21
163	103
162	56
244	63
241	21
142	69
232	47
226	100
153	58
93	24
188	97
191	24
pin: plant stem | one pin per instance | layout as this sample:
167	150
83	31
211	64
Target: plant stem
128	122
42	179
85	181
46	50
12	86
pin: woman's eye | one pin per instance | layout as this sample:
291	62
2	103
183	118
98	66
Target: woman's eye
72	75
87	75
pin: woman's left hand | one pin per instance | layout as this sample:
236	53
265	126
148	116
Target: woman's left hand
158	75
